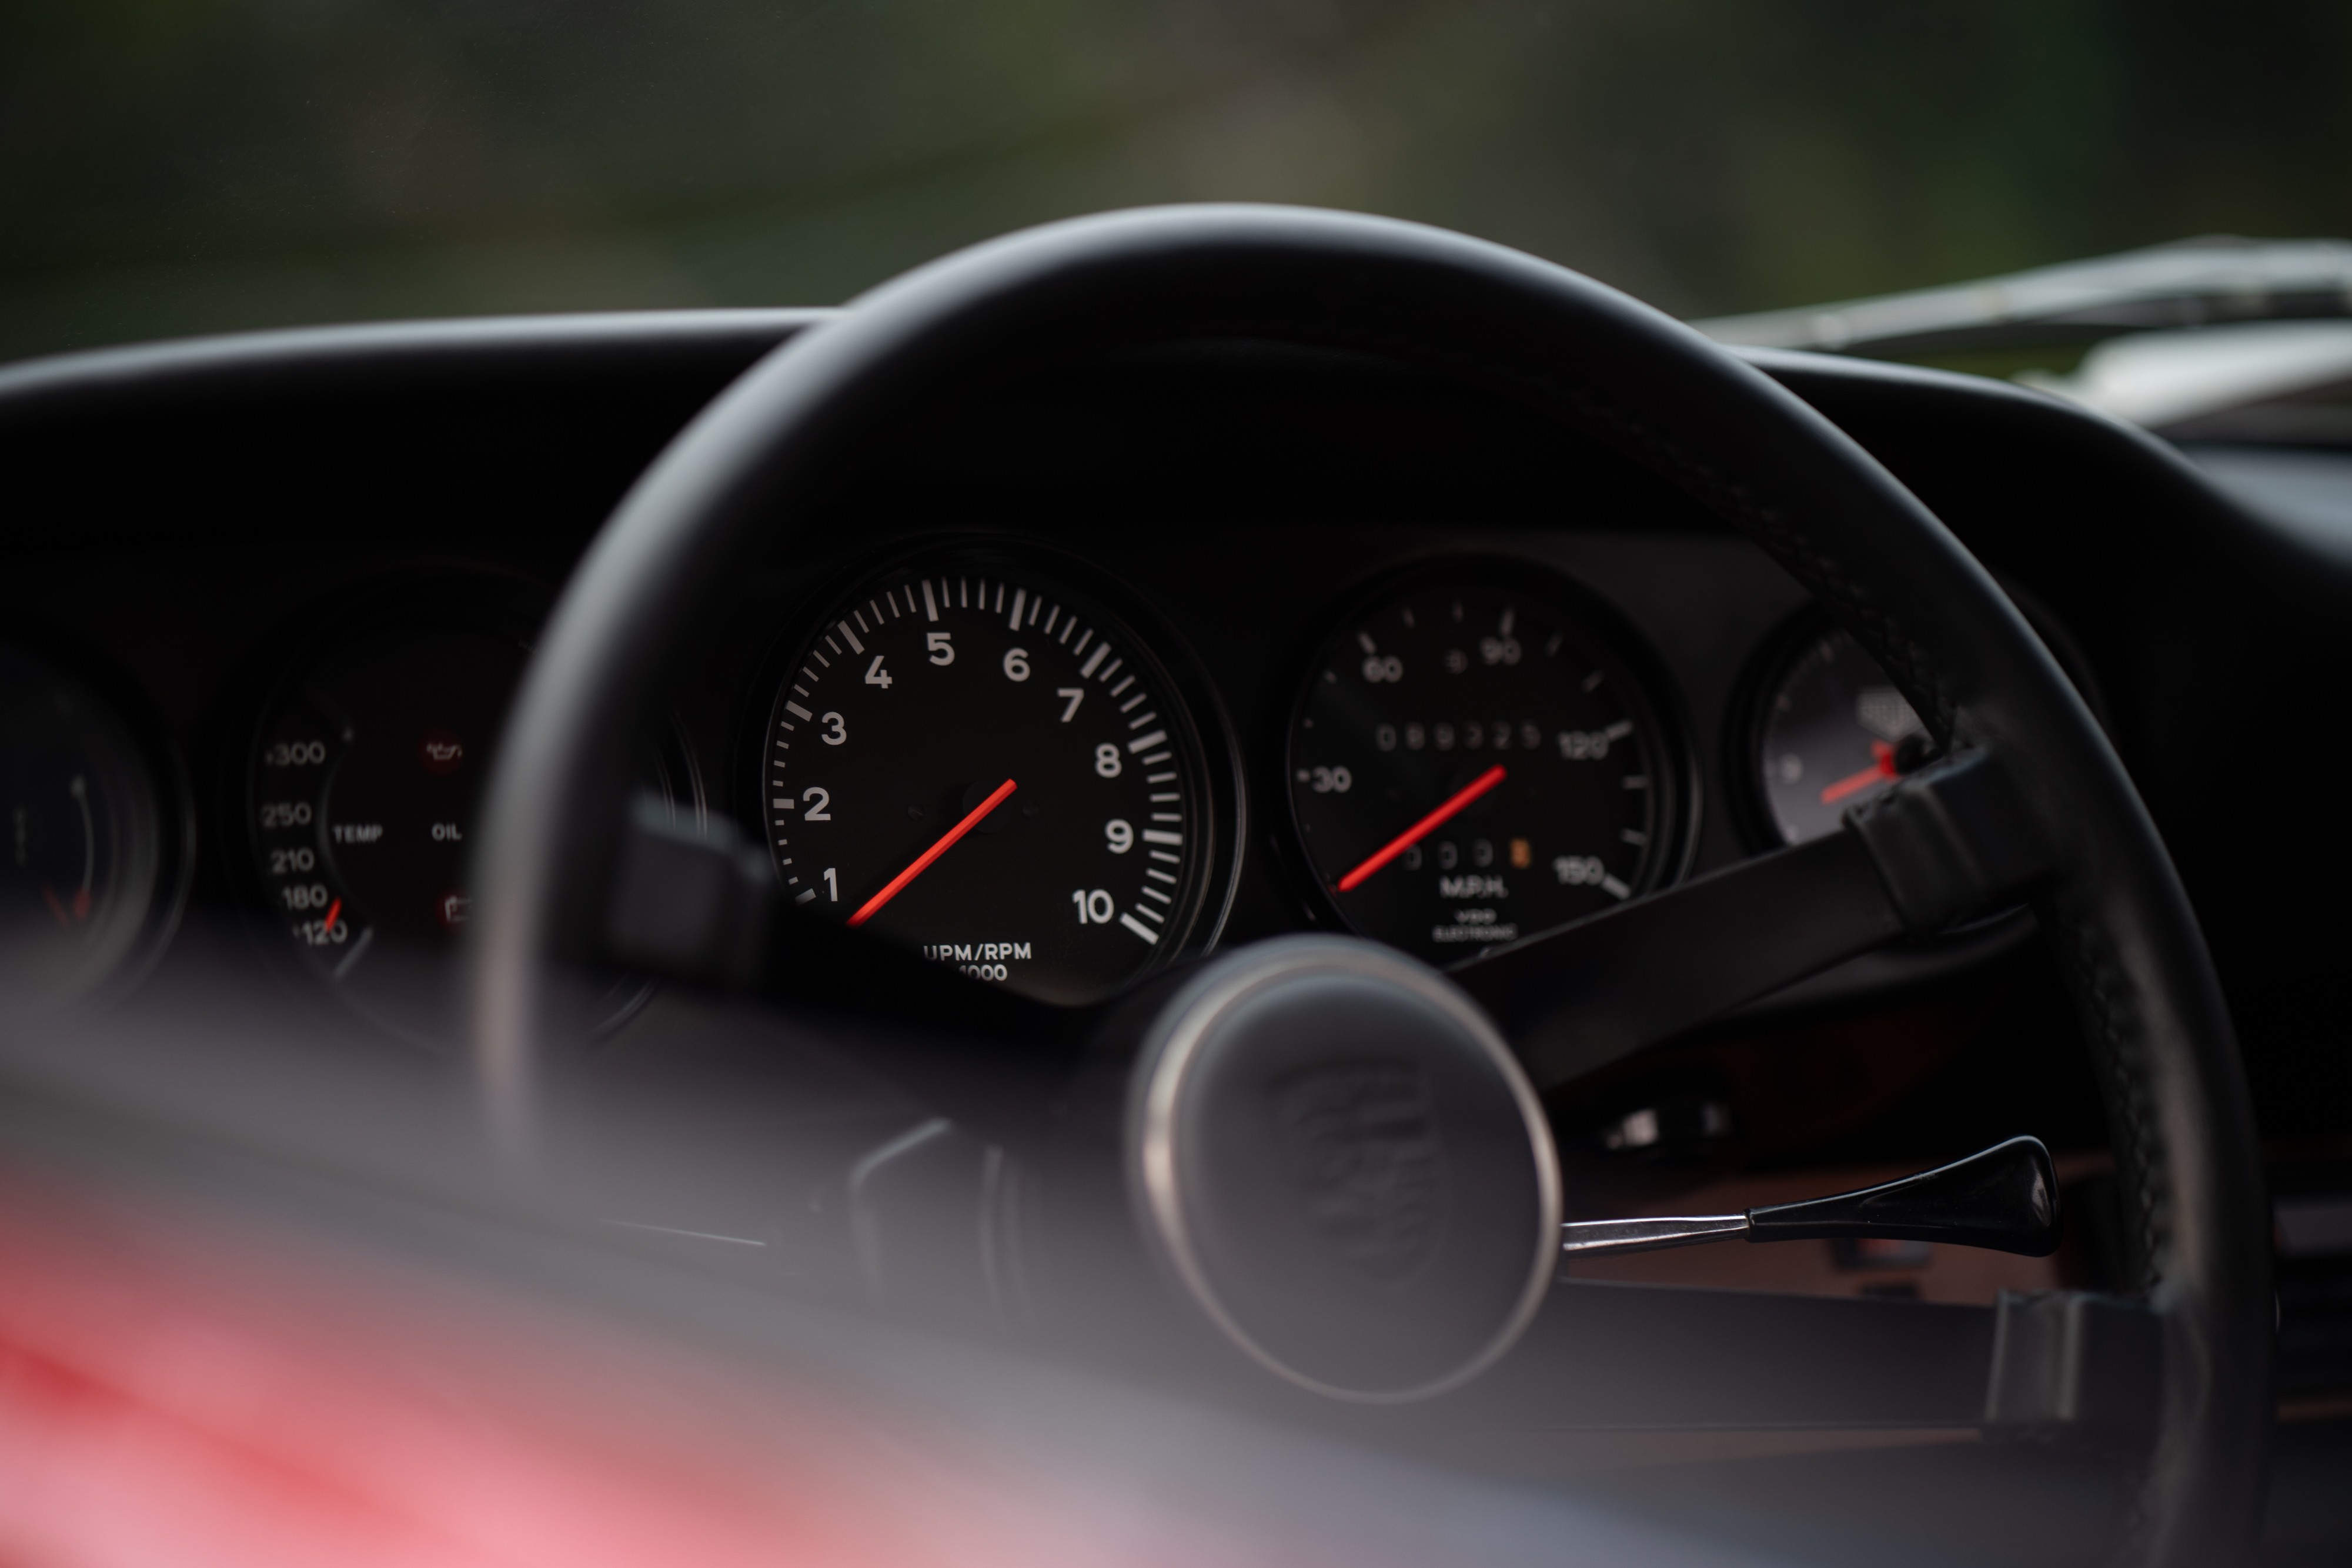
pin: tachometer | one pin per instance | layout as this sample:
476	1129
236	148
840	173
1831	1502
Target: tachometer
1473	759
978	761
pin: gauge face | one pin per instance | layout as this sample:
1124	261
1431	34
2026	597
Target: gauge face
1471	761
81	859
363	786
984	766
1832	732
364	783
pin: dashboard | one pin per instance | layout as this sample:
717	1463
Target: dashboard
1161	654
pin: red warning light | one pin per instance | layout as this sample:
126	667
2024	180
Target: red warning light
441	752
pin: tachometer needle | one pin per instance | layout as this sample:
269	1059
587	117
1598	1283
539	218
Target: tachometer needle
891	889
1882	768
1422	829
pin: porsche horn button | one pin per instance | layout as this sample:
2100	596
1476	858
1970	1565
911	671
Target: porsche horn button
1340	1161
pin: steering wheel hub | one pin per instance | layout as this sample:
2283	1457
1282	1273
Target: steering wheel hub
1338	1158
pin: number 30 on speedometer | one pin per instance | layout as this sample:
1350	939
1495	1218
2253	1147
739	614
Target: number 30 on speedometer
977	762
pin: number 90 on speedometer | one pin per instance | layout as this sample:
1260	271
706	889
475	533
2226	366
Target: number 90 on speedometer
976	761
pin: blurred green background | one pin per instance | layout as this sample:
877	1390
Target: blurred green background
179	166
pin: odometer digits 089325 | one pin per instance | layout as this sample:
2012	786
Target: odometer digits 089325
972	760
1471	761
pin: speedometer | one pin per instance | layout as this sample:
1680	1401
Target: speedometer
984	764
1475	757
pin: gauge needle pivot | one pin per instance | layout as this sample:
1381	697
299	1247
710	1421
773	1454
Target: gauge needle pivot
1882	767
896	884
1422	829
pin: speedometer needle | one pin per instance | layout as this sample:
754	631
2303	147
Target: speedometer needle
1422	829
891	889
1882	768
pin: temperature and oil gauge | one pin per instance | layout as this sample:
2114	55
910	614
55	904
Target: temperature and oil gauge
1473	760
360	797
362	792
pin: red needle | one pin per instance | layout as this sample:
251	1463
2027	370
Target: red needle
866	911
327	924
1420	829
1882	768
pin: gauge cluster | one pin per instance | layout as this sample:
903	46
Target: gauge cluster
985	748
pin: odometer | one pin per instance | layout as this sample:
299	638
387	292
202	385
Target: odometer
979	763
1473	761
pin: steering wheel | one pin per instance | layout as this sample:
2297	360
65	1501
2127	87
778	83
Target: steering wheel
1220	1067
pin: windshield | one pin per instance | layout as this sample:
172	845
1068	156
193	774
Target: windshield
182	166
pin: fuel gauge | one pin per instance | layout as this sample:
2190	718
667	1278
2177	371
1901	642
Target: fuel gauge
82	854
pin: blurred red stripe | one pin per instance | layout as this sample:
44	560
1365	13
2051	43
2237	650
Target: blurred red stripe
173	1395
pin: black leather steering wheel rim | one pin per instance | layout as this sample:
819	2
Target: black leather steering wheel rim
1766	462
